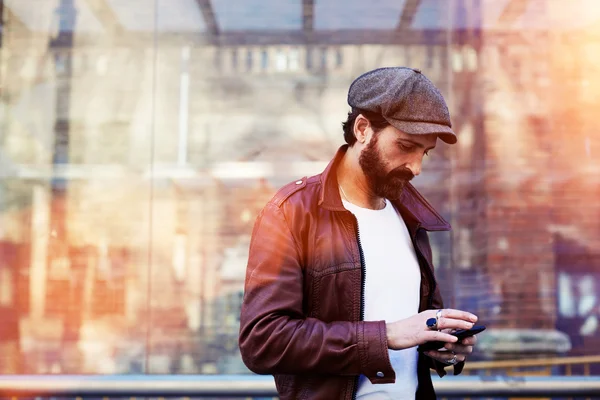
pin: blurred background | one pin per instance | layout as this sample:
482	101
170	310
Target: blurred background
140	138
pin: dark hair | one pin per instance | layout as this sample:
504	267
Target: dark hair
377	122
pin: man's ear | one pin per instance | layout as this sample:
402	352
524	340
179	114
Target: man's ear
361	128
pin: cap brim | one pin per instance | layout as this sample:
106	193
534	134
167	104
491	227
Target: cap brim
444	132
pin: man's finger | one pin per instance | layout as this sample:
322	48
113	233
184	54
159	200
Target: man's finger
469	341
452	323
437	336
459	348
445	356
458	314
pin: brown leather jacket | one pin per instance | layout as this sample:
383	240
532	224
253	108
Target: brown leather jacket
302	317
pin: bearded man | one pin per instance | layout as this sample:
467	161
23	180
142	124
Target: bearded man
340	287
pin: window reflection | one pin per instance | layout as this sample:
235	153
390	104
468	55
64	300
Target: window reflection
339	58
139	139
323	58
309	58
294	59
264	60
248	60
234	59
280	61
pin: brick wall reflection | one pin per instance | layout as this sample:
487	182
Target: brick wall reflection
147	274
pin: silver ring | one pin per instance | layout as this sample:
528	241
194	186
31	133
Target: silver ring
453	360
438	316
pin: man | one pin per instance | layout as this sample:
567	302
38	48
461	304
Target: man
340	288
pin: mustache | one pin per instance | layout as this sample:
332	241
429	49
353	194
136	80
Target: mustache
402	173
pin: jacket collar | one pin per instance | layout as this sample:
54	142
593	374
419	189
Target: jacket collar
416	211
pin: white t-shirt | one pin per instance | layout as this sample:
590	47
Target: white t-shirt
392	291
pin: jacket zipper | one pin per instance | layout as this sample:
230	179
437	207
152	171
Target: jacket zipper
363	269
363	281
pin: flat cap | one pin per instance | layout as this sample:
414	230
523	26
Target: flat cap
406	99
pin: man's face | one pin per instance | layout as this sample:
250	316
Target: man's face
391	158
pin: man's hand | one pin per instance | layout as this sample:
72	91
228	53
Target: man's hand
461	350
413	331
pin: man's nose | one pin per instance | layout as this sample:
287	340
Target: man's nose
414	167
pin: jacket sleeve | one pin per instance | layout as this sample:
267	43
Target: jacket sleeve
438	304
275	335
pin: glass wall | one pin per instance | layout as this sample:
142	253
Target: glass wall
140	138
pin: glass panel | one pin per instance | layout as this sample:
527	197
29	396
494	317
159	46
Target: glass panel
139	140
258	15
141	16
75	143
332	15
460	14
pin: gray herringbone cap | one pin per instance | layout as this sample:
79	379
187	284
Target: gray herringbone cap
406	99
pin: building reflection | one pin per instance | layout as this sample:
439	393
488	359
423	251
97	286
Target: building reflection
141	138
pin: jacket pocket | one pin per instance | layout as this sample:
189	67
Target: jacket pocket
335	293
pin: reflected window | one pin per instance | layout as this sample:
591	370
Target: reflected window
578	303
323	58
281	61
339	58
61	63
249	60
218	59
264	60
294	60
471	58
234	59
430	56
457	60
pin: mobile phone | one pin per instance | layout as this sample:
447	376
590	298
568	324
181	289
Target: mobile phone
460	334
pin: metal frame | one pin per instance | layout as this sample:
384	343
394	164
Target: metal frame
106	15
512	11
256	385
208	12
8	15
408	14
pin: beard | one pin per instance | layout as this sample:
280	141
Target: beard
384	184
